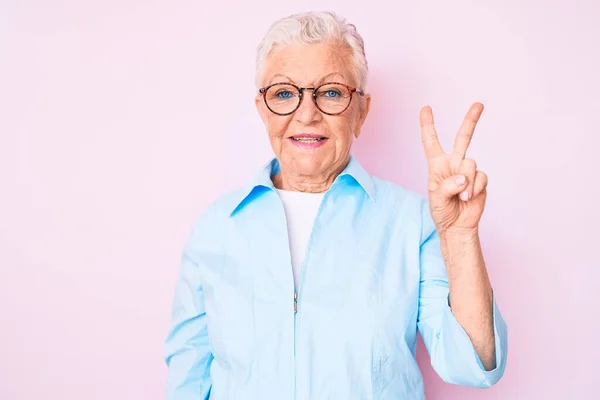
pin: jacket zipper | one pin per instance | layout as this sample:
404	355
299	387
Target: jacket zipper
295	341
295	303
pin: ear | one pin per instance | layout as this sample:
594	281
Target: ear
260	107
364	107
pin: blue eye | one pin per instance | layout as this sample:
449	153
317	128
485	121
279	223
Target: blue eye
330	93
284	94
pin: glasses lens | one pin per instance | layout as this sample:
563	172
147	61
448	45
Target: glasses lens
333	98
282	99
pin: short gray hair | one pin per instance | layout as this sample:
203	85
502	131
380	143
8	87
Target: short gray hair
314	27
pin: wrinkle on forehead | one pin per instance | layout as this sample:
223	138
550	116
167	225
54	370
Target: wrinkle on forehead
335	76
309	65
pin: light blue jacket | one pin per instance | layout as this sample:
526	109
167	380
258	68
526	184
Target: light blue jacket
372	278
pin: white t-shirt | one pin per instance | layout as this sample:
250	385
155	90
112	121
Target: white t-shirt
300	212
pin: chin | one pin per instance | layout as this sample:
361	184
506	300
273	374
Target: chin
308	164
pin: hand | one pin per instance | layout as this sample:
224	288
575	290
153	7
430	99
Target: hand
457	190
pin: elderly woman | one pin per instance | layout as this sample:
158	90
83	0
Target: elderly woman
312	281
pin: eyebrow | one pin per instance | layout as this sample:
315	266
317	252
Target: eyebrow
287	78
321	80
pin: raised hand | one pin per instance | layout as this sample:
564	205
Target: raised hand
457	190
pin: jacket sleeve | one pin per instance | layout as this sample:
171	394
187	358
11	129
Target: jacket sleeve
187	348
451	351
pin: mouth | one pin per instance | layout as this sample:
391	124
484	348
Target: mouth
308	140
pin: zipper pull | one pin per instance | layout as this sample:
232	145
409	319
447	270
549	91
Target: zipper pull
295	302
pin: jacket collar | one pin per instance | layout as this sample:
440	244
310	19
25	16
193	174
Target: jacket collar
353	173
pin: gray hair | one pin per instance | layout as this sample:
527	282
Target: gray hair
314	27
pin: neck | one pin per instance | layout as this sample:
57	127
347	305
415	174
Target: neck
289	180
305	184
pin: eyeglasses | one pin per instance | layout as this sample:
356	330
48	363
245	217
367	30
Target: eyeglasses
331	98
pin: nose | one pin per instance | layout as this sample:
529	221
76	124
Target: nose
307	111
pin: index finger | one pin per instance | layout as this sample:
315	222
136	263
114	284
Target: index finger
467	128
429	136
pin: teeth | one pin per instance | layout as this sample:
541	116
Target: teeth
307	140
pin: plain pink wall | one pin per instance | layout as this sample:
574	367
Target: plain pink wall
121	120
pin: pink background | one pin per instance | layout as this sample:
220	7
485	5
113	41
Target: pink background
120	120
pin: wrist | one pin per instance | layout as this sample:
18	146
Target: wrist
460	234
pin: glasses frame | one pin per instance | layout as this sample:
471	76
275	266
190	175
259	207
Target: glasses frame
263	92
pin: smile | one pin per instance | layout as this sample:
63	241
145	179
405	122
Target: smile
308	140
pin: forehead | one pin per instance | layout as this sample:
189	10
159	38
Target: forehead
308	65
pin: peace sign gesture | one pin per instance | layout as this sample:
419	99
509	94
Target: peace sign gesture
457	190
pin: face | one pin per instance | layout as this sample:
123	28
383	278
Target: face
309	66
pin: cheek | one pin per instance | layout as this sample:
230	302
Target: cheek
343	128
276	126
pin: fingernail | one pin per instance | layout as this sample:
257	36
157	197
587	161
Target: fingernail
461	180
464	196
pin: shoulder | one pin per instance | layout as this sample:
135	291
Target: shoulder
408	207
218	210
388	193
208	233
